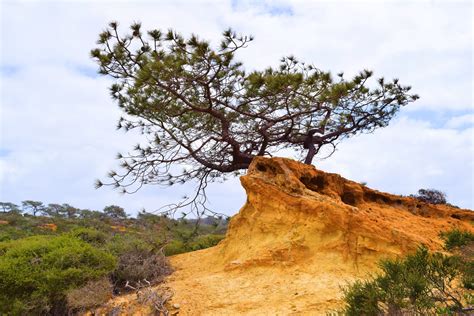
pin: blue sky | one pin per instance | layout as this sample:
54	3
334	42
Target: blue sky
58	123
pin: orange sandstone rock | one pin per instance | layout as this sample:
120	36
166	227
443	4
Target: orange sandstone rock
301	235
50	226
119	228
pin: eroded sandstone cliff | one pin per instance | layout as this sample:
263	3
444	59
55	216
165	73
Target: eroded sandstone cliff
301	235
295	212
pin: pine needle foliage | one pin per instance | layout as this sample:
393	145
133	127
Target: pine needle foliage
205	116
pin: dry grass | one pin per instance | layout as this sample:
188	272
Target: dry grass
93	294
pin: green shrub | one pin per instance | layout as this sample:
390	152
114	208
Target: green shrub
90	235
362	298
36	272
457	238
422	284
175	247
8	232
468	274
17	227
462	243
14	219
205	241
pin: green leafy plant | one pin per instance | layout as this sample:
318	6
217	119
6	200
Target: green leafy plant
462	244
84	259
90	235
362	298
423	283
456	238
36	272
178	246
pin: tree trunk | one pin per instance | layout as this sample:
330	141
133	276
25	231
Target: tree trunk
311	153
309	144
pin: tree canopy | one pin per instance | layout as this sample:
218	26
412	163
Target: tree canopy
8	207
33	207
114	211
203	111
431	196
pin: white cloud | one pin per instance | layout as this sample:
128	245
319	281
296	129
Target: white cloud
410	155
58	121
460	121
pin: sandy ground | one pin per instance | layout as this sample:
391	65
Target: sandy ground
266	290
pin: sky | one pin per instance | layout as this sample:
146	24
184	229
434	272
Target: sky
58	121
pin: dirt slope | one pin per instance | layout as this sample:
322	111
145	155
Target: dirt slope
301	234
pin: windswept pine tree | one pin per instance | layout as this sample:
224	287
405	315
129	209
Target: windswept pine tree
205	116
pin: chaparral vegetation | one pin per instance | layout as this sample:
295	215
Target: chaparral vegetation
57	259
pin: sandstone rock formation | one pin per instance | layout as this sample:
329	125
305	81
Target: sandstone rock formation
301	235
295	212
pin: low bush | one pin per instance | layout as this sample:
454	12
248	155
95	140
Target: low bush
177	246
58	265
138	260
92	294
457	238
206	241
90	235
362	298
9	232
36	272
462	244
421	284
468	274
